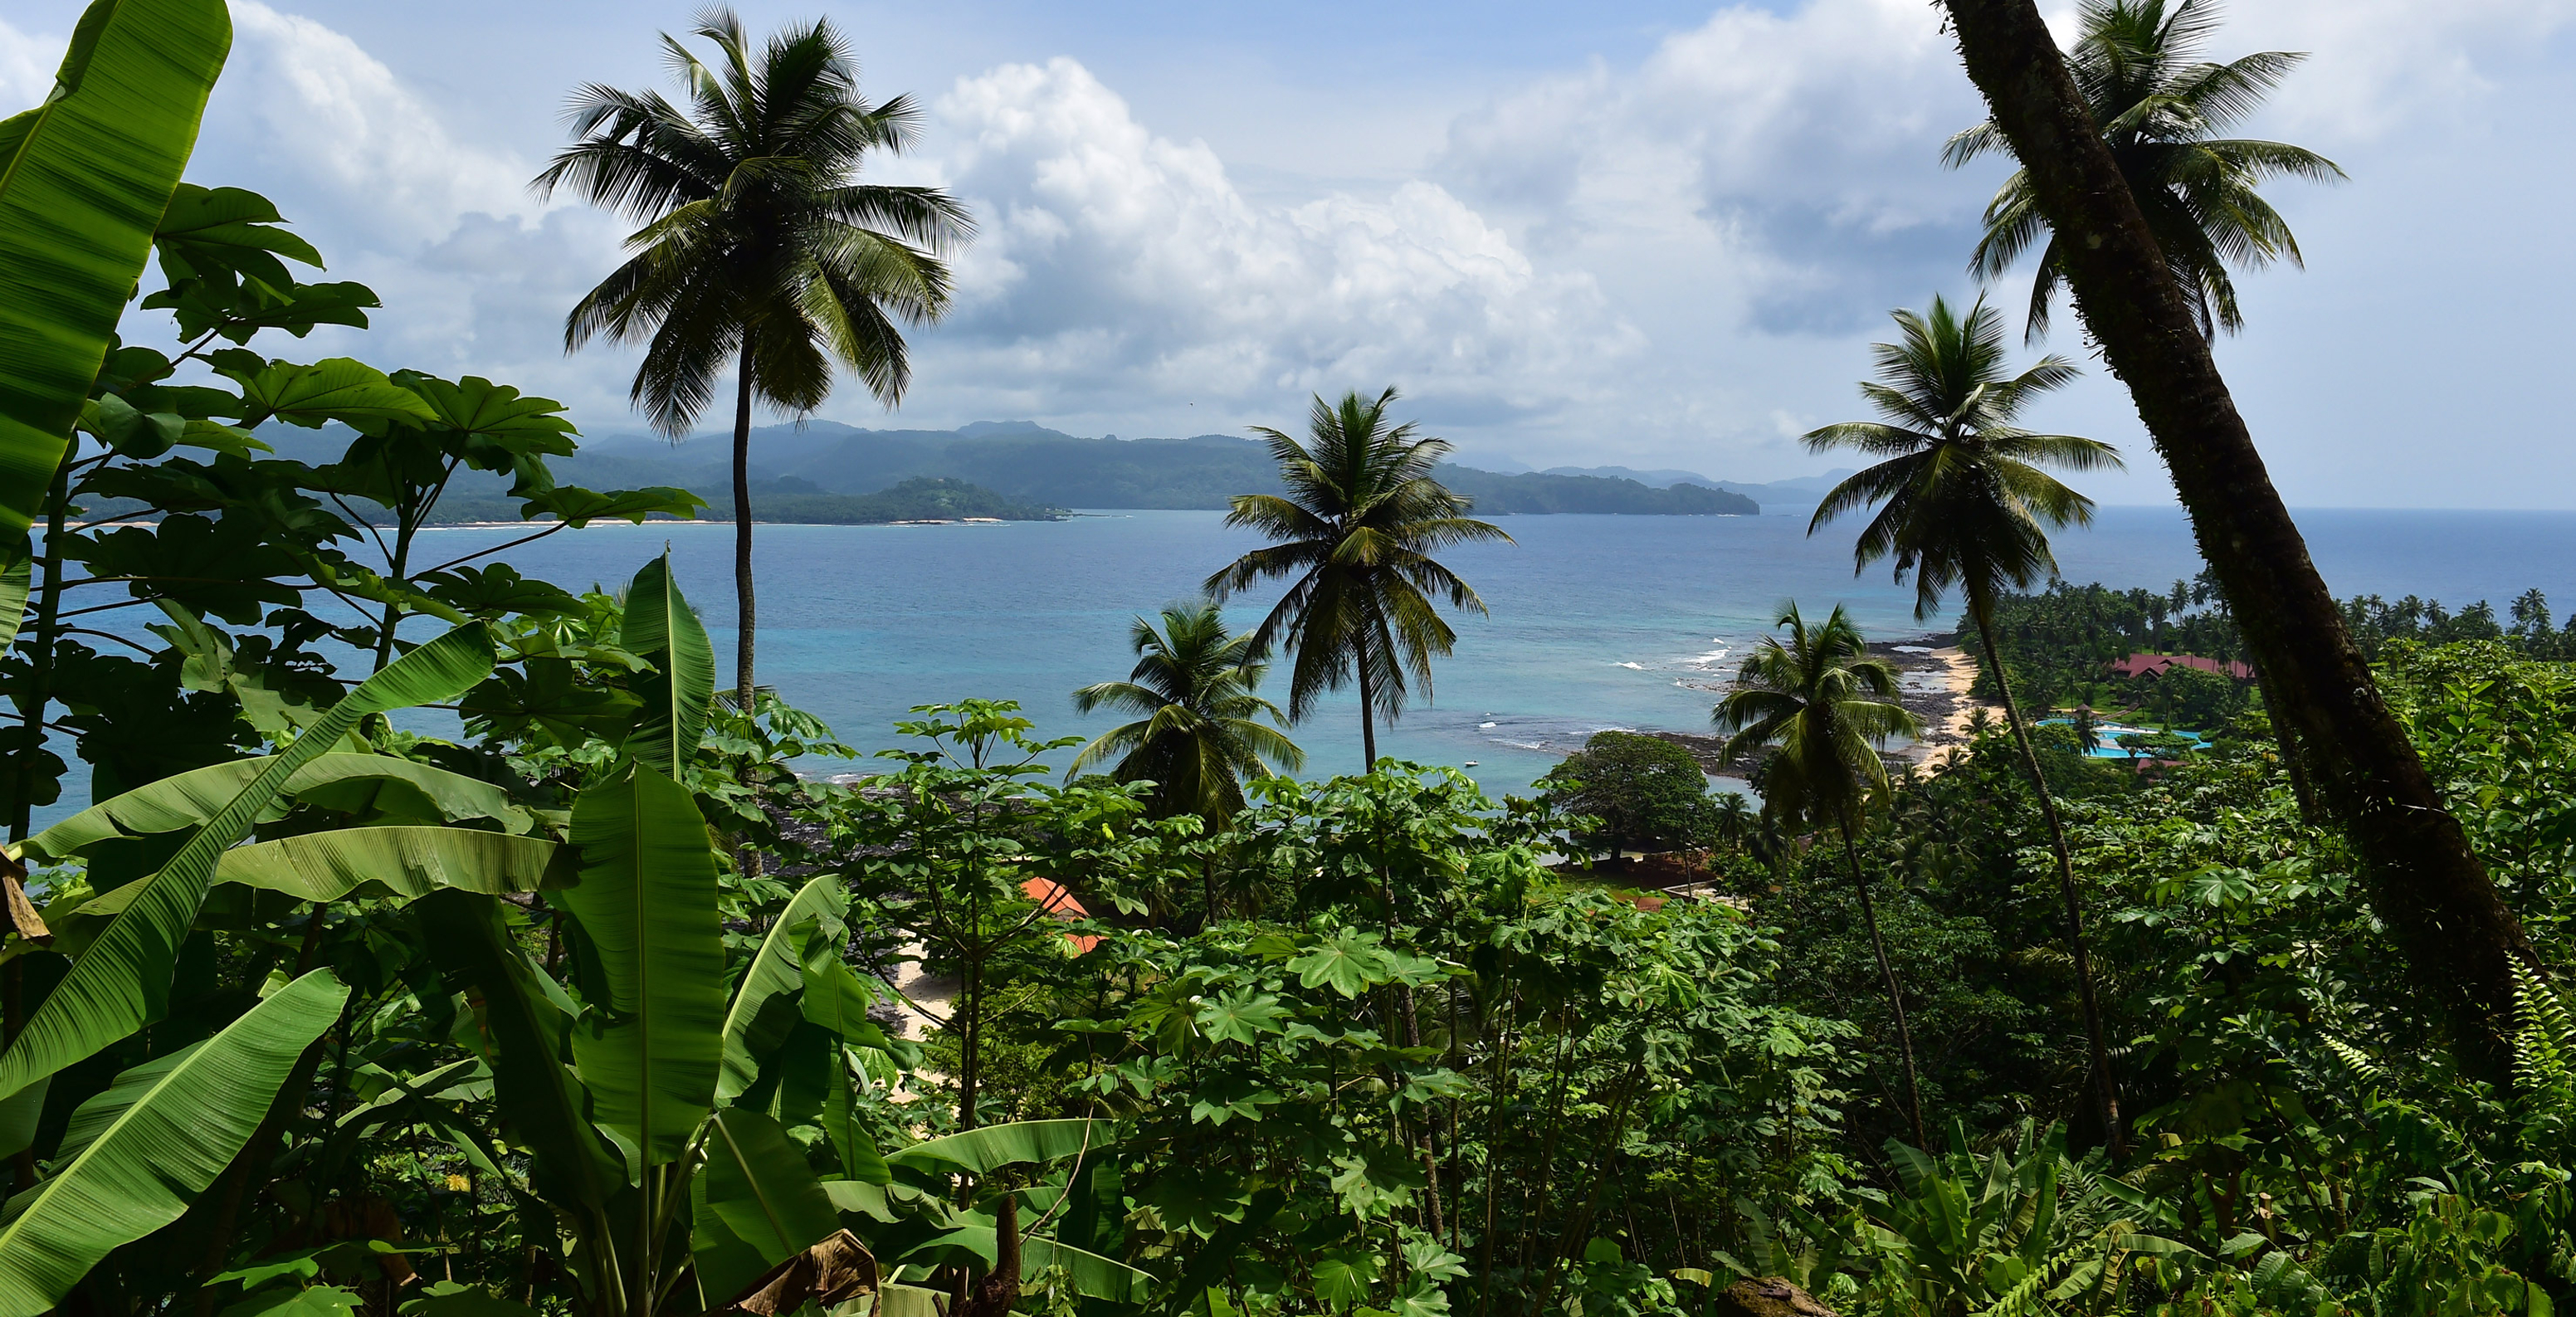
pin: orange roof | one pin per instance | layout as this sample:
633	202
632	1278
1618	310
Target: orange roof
1059	903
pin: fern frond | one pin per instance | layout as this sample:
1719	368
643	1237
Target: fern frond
2544	1036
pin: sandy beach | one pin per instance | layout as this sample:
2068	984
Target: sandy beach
1935	675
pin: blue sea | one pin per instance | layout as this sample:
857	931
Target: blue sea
1595	621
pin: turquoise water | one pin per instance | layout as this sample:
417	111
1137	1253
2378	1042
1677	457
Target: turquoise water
2108	736
1596	621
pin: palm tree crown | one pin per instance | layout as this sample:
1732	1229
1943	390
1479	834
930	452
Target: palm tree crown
757	242
1825	707
1196	739
1356	528
2162	109
1963	498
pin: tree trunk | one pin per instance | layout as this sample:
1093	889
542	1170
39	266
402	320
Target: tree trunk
2289	743
40	655
1887	973
747	614
2106	1094
1368	729
2426	885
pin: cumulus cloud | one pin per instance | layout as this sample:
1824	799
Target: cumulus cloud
1794	151
304	102
27	63
1117	265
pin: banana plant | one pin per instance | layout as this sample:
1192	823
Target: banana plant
84	178
698	1140
134	1156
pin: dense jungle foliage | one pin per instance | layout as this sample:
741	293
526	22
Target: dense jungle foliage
2063	640
438	943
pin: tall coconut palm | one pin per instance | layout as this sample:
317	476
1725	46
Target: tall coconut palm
2161	109
1197	736
759	250
1356	530
1826	710
1962	503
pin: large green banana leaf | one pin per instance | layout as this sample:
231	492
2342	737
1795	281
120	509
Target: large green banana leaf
1093	1276
837	1001
762	1204
18	1114
982	1151
661	626
339	780
764	1007
135	1155
541	1104
403	862
122	982
651	1045
83	181
17	574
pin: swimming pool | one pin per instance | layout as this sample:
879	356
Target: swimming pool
2108	736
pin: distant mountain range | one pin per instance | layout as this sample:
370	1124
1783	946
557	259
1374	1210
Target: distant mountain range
1802	491
828	472
1025	461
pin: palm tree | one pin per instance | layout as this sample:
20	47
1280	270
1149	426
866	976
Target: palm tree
1963	503
1356	529
758	251
1197	738
1826	710
2161	109
1734	820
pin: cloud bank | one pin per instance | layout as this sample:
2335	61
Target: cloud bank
1677	259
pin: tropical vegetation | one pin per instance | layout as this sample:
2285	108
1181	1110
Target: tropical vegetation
433	941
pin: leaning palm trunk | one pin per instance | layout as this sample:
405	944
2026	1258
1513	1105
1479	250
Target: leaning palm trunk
1887	974
2426	885
2106	1094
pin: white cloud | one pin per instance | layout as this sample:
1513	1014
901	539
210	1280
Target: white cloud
2377	66
1123	270
27	64
1793	152
312	106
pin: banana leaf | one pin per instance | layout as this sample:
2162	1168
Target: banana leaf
521	1025
759	1192
17	568
764	1008
83	181
650	1047
341	780
122	982
135	1155
402	862
981	1151
661	626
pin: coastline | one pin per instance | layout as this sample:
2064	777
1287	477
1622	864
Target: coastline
1933	677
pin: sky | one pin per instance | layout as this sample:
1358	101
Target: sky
1651	234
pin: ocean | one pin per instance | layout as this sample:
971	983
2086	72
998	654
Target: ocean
1595	621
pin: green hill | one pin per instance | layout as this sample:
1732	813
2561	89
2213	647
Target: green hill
1043	466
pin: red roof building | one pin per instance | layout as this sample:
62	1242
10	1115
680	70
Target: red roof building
2155	665
1059	904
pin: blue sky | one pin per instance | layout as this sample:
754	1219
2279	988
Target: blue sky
1652	234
